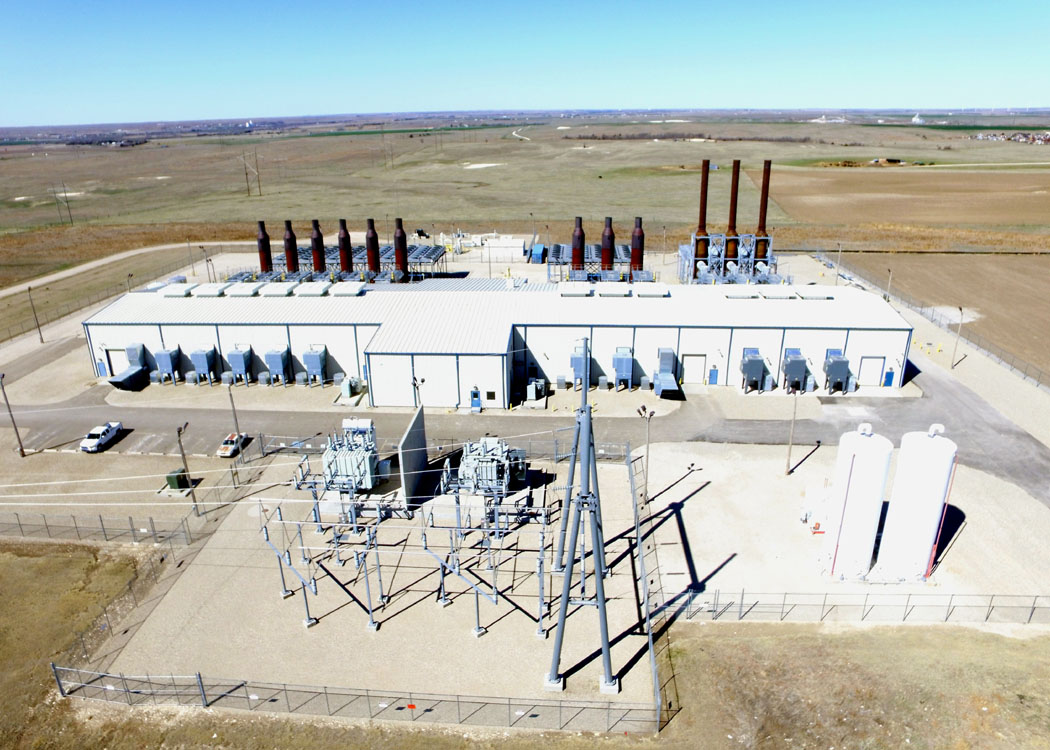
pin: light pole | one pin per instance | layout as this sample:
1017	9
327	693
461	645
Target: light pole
21	450
889	284
647	415
838	266
958	335
791	432
185	468
129	282
29	291
533	220
236	424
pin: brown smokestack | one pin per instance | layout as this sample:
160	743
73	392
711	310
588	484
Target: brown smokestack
701	248
401	249
608	238
346	255
265	256
372	248
732	239
578	238
291	250
762	244
317	246
637	245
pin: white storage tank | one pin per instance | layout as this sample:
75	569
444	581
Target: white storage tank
855	503
917	504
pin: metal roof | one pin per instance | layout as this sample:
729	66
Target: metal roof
474	316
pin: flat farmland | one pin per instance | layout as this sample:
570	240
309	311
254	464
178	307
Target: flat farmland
914	195
1006	294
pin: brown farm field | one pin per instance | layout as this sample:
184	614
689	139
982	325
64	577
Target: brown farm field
1007	295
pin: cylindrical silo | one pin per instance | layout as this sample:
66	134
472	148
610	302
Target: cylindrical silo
856	502
917	504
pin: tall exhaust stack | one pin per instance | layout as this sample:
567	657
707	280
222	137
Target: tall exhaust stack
317	246
702	247
637	245
346	254
401	249
578	238
608	239
291	251
732	239
372	248
762	244
265	256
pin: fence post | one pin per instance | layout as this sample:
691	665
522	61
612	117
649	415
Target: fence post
200	686
287	700
948	612
152	692
102	526
991	605
75	527
783	604
1032	613
58	680
131	525
368	700
47	529
327	707
19	522
153	530
459	716
186	532
127	692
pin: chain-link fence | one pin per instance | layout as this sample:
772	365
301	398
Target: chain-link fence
95	528
424	708
1022	367
1015	609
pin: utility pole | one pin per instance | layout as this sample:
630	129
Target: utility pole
958	335
889	284
185	468
29	291
21	450
236	424
838	266
129	282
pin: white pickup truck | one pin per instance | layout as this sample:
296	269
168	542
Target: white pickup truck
100	436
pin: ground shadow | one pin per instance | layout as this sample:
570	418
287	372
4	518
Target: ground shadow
804	458
951	528
122	433
909	373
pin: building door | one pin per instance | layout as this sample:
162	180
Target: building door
871	369
694	368
117	360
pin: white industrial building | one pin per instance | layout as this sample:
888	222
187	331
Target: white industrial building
434	341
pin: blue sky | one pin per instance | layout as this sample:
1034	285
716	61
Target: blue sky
65	62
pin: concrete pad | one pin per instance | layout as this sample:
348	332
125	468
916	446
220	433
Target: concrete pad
733	523
61	380
251	397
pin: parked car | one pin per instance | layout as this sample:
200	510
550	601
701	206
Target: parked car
100	437
232	444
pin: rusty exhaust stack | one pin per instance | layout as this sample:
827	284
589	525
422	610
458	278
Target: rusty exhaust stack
702	247
637	245
372	248
401	250
346	255
732	239
317	246
577	245
291	251
762	244
265	255
608	238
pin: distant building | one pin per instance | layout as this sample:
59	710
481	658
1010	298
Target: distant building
917	120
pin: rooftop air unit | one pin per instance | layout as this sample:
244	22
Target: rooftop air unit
315	360
665	381
240	364
168	361
796	372
278	362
